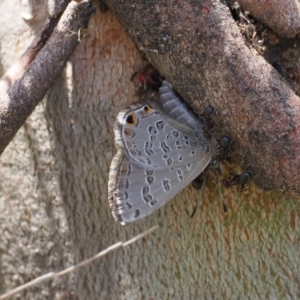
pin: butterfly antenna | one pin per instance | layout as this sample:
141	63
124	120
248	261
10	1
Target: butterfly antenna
200	196
220	193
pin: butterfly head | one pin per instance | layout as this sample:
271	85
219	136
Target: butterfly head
147	78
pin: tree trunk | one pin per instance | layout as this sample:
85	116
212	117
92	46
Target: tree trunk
55	211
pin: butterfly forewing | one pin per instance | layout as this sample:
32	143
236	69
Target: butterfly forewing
151	140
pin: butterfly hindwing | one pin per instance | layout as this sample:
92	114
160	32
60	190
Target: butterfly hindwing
135	192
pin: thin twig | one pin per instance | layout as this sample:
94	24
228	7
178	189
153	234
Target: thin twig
53	275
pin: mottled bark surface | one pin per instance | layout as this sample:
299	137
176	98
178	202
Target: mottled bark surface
27	82
54	208
200	50
283	17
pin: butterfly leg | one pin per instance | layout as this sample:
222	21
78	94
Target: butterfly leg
148	78
206	117
198	183
241	181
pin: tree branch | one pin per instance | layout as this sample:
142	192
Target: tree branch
43	61
282	16
197	46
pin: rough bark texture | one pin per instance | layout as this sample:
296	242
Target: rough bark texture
54	208
41	64
201	51
34	232
283	17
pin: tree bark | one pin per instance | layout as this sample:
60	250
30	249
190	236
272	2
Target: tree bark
54	208
38	67
200	50
283	17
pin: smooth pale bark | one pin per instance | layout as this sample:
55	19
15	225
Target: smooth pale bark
55	211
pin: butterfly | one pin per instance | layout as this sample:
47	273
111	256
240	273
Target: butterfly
161	146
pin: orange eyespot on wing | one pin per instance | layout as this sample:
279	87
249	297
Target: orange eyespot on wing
128	133
147	109
131	119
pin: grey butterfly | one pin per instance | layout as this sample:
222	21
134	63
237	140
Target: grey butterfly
161	149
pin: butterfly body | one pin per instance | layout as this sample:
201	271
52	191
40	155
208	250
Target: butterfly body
161	149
